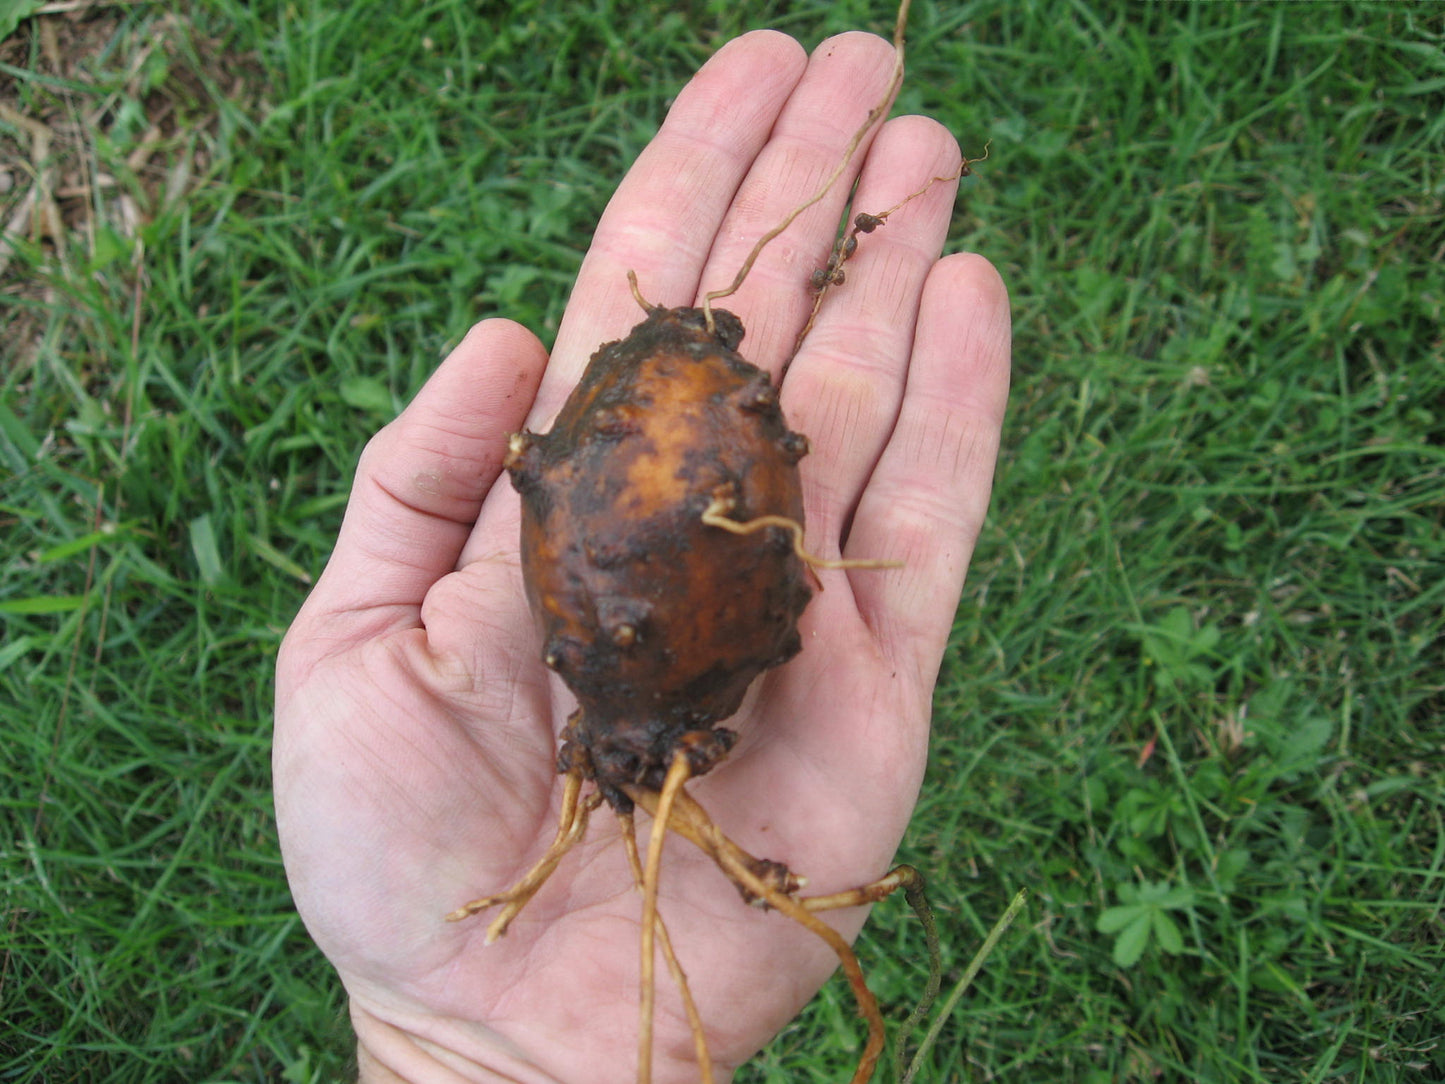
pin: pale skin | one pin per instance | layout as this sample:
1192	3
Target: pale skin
416	727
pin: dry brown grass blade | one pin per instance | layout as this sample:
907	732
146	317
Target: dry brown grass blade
35	214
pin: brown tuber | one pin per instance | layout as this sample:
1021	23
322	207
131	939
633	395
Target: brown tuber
656	620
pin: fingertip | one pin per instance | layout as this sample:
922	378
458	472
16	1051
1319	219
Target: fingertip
482	389
758	60
782	46
927	131
497	336
927	498
966	301
862	40
976	272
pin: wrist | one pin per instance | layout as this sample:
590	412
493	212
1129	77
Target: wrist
390	1054
435	1050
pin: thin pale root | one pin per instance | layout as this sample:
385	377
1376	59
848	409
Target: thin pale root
694	1018
692	822
637	292
571	826
874	116
715	516
910	881
677	774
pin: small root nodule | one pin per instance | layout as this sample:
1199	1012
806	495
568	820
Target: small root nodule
825	278
715	515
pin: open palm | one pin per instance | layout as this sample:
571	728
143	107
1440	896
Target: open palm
416	727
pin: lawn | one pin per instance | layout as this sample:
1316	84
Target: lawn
1193	699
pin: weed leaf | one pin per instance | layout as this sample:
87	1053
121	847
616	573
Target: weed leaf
1132	940
1167	931
13	12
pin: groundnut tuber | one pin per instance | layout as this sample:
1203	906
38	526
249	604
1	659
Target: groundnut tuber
655	619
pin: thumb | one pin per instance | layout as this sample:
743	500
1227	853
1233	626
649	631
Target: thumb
420	484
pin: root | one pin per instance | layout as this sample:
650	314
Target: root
874	116
825	278
694	1018
852	970
911	882
637	293
677	775
761	881
715	516
571	827
691	821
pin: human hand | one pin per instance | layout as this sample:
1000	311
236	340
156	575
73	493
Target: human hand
416	728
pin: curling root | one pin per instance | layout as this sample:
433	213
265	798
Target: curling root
852	970
715	515
911	882
637	292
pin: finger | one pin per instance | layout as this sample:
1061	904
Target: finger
925	501
845	386
663	217
847	77
422	479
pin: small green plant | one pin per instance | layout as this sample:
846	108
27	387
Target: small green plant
1143	915
1178	649
12	12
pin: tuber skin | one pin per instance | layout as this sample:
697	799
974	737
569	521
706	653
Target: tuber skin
656	621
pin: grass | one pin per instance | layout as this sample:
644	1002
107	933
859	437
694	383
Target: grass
1193	700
